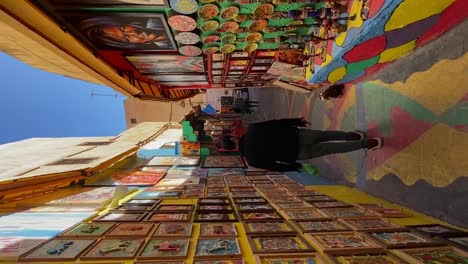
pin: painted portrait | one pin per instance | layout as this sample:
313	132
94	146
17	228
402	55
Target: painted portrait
123	31
147	64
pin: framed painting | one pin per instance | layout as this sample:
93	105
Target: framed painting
140	178
218	230
161	3
237	68
403	239
225	172
302	193
298	258
151	202
87	196
295	206
157	64
223	162
433	255
217	56
121	216
58	250
259	68
135	207
131	230
438	230
214	208
215	217
317	198
165	248
173	230
278	243
349	212
370	224
215	189
264	60
11	247
217	65
460	242
161	161
255	207
145	195
245	194
345	242
239	54
220	261
239	62
160	262
274	227
123	31
241	189
175	207
216	72
187	161
321	226
216	195
113	248
88	230
169	217
383	258
286	199
312	214
177	77
249	200
260	216
213	201
331	204
214	248
264	53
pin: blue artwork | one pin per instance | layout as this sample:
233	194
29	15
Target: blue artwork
217	247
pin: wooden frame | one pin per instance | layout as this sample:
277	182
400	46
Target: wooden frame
139	215
271	215
311	215
348	212
218	230
385	225
223	164
294	206
215	208
215	217
131	230
206	245
177	229
249	200
330	204
245	194
256	240
438	230
214	201
254	207
322	226
221	195
272	227
95	253
86	230
359	243
142	201
406	254
291	258
385	238
335	259
52	244
155	244
186	216
175	207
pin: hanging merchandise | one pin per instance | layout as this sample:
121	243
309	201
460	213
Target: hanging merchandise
185	7
190	51
187	38
182	23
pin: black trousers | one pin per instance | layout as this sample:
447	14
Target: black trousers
315	143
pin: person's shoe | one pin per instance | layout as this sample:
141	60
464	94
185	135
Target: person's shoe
361	135
375	143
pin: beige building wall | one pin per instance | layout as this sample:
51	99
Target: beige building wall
153	111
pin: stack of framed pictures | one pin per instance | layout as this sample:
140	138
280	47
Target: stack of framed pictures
241	69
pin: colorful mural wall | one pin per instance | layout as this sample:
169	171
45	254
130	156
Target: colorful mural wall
389	30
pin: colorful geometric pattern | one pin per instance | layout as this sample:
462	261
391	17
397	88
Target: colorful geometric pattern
393	30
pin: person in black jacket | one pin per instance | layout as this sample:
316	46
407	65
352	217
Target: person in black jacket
276	145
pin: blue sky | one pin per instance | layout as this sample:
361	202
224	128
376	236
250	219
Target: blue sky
36	103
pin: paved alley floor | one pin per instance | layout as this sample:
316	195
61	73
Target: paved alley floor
419	105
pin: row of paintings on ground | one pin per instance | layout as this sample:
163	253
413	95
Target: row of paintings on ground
342	233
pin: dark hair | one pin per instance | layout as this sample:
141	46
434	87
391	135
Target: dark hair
334	91
228	143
